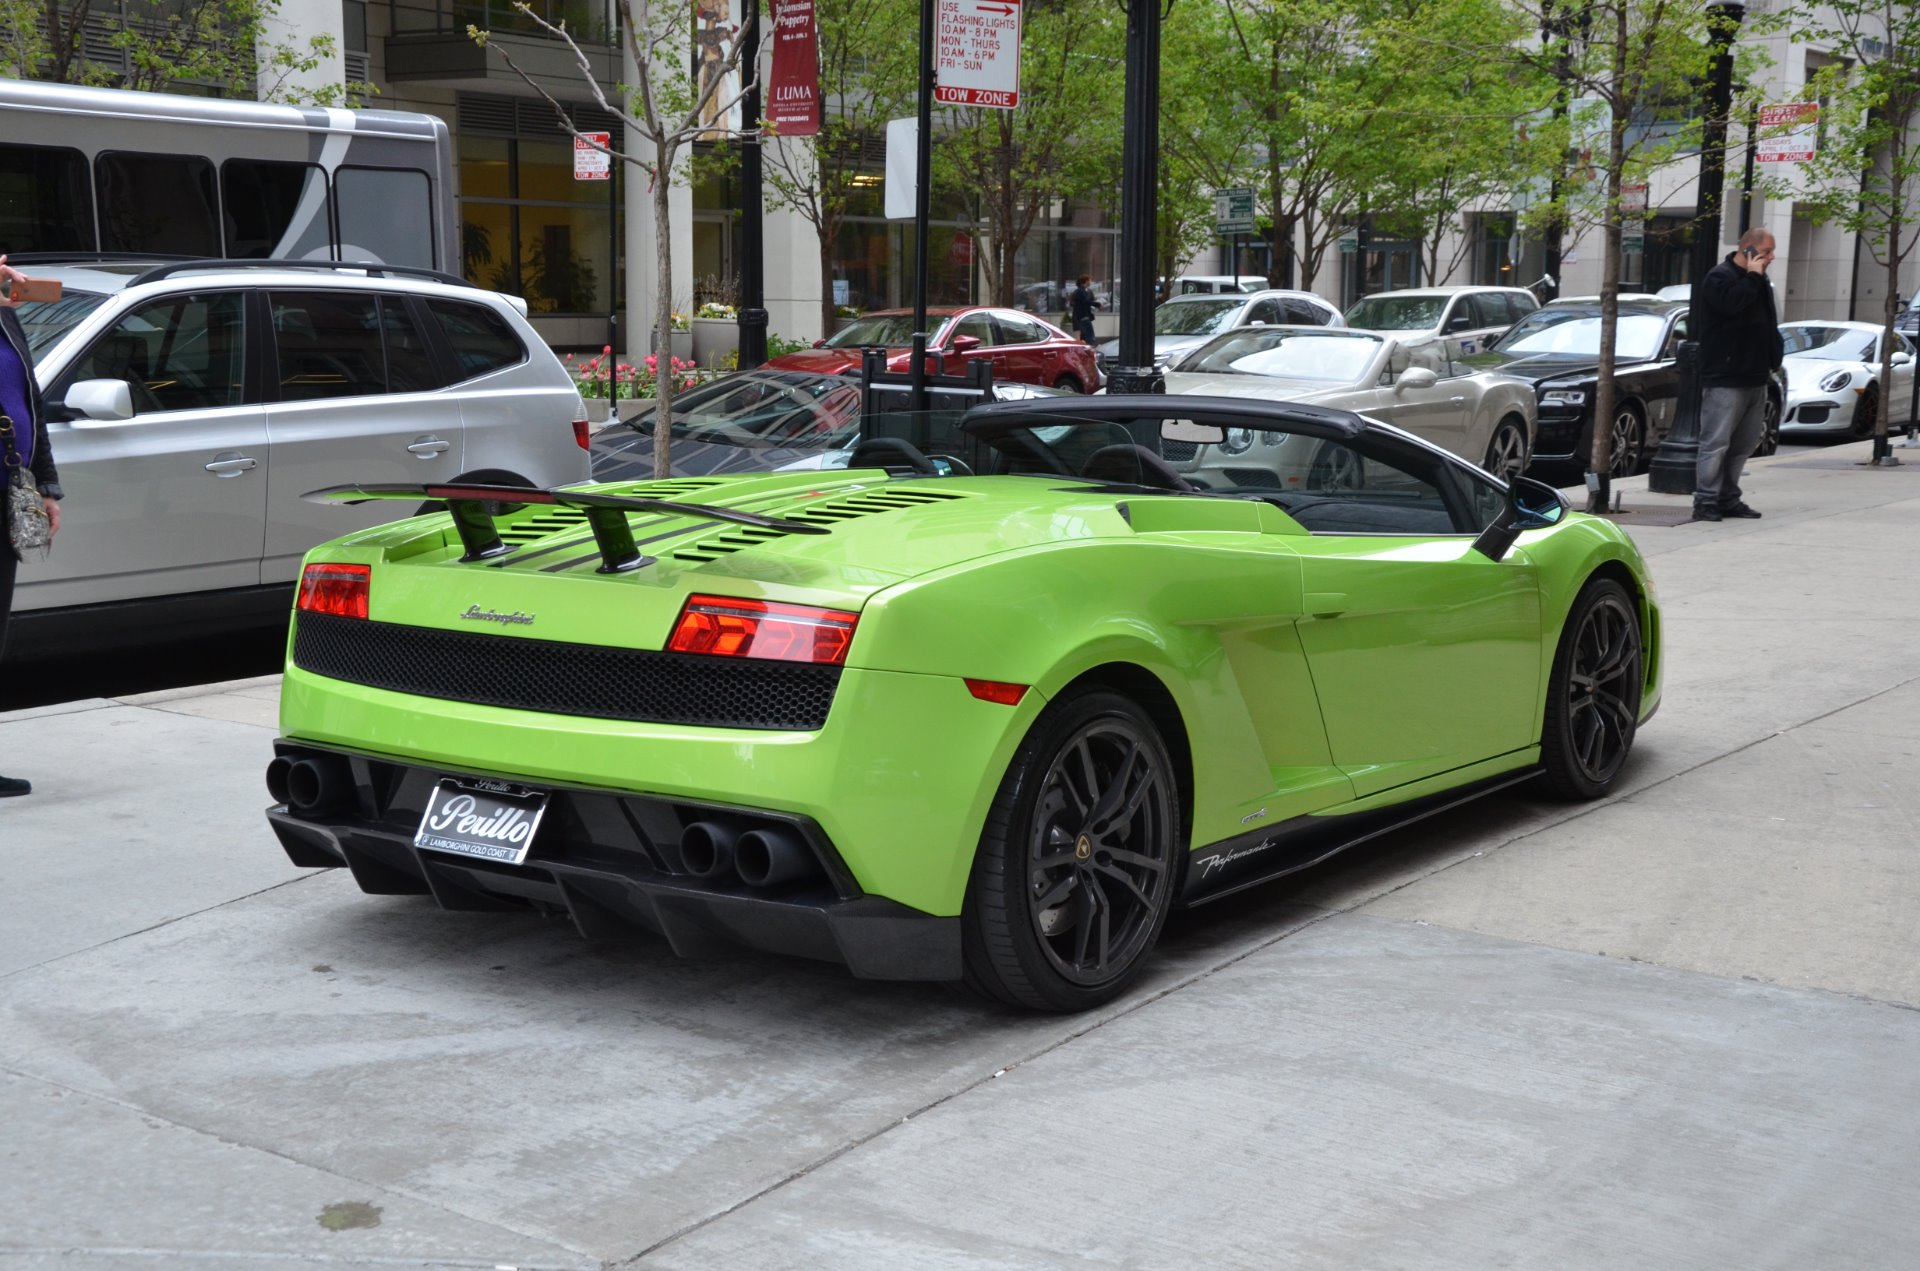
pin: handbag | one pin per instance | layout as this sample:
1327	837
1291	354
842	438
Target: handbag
29	528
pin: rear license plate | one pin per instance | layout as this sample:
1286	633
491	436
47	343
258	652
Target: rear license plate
492	820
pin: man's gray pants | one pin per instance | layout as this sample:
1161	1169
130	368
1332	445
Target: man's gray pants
1732	421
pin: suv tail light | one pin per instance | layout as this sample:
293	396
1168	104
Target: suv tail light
729	628
581	429
336	589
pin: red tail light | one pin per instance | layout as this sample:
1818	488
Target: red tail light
581	428
732	628
335	589
998	692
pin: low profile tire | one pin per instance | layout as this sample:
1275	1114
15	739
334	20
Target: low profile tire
1079	860
1769	427
1507	454
1069	384
485	476
1593	696
1629	441
1866	411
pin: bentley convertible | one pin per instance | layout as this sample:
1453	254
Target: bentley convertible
984	706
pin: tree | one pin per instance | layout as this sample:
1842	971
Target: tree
670	109
867	76
160	43
1063	141
1866	173
1203	147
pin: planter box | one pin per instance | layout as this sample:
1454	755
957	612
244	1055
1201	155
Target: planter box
683	345
714	338
598	409
628	407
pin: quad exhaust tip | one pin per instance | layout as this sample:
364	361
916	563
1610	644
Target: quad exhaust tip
310	786
764	857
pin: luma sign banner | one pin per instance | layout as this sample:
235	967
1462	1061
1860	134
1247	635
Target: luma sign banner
793	87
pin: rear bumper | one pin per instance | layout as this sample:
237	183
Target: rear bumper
610	861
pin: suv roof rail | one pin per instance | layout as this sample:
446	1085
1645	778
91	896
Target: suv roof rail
373	269
82	256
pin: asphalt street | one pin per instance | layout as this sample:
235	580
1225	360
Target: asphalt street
1679	1028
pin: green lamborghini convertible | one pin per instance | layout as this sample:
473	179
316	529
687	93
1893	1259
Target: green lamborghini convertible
984	706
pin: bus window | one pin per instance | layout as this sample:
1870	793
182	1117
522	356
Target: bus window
275	209
45	205
365	199
157	203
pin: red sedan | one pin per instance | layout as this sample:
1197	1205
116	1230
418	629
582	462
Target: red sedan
1021	347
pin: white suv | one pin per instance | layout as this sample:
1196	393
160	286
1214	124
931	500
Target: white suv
190	404
1471	318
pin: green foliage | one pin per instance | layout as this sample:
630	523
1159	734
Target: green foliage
224	44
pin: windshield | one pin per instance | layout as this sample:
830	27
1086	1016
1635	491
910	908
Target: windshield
1397	313
1831	344
762	408
1576	333
46	323
892	329
1336	358
1196	317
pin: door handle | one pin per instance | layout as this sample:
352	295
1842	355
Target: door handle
428	447
231	464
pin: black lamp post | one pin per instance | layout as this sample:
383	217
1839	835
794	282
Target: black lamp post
1134	371
753	281
1676	462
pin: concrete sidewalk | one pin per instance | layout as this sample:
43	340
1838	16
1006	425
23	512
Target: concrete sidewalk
1675	1028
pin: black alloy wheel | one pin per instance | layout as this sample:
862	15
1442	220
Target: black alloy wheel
1507	449
1769	427
1866	411
1335	467
1079	860
1629	442
1593	697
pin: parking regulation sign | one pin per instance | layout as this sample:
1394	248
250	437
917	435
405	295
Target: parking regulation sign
976	53
590	164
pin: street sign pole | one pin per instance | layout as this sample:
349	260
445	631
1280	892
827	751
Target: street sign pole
922	176
753	281
1139	194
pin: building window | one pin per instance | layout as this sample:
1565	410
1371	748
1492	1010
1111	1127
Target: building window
529	228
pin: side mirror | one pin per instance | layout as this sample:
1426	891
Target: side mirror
1901	357
1531	505
1192	432
1459	322
963	344
819	344
109	401
1416	377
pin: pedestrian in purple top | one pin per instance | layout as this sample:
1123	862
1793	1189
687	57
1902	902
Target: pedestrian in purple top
20	402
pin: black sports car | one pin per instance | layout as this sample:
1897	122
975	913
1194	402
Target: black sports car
1557	348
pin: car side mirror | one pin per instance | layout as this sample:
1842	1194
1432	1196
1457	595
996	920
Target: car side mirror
107	401
963	343
1901	357
1416	377
1460	322
819	344
1531	505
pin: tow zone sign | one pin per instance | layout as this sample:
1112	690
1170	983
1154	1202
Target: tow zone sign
976	53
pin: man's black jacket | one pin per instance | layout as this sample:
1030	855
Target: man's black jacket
1736	327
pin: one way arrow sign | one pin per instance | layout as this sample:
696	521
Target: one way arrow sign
976	53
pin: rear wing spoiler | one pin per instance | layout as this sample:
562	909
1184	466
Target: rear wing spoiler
606	515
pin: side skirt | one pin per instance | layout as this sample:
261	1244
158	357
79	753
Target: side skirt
1260	856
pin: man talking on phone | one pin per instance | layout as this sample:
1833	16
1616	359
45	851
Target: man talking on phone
1738	331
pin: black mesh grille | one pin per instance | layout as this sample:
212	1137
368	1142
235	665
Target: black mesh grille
566	679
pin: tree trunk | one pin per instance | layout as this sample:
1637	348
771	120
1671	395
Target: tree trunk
1600	456
662	313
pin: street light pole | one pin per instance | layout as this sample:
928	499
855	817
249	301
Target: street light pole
753	280
1675	464
1139	189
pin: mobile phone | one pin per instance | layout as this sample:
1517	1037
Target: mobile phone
31	290
1753	253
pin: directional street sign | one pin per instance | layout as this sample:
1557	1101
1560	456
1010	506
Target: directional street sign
1233	211
976	53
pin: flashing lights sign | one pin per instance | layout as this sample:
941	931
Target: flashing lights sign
976	53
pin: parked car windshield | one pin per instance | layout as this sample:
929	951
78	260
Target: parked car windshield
1336	357
1833	344
1397	313
46	323
1203	316
762	408
891	329
1576	333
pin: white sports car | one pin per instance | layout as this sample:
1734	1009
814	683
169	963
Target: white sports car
1408	380
1833	379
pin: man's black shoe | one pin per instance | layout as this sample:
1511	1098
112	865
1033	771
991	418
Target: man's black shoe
1742	511
1705	512
12	786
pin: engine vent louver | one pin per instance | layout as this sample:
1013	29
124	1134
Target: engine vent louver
531	529
828	512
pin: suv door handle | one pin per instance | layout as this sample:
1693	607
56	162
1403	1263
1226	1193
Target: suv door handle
231	464
428	447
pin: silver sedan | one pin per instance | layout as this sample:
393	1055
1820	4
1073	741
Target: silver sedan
1412	382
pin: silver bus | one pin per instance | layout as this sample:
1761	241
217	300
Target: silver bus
91	170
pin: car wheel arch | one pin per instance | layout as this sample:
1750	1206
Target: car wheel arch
1147	691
